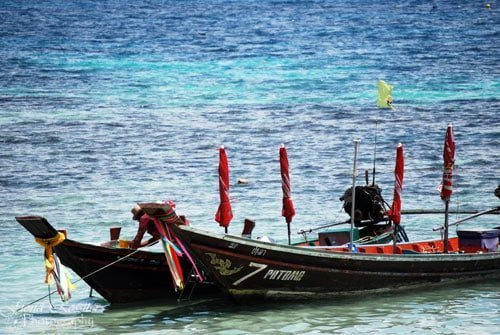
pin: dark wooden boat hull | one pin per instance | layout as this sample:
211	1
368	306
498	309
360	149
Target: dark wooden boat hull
141	276
249	270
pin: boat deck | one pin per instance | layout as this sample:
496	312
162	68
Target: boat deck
434	246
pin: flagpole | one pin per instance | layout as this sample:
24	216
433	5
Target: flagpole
353	193
288	211
395	229
384	100
289	233
395	239
445	234
446	186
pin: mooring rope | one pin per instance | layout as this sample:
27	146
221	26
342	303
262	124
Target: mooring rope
86	276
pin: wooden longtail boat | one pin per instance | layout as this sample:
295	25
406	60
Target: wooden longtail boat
119	275
123	275
250	270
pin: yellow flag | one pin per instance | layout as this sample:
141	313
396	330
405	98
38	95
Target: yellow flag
384	95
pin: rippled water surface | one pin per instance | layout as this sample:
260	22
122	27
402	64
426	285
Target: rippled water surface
106	103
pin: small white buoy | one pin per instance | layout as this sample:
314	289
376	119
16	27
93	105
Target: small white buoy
243	181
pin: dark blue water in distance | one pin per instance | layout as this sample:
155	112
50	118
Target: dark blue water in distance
107	103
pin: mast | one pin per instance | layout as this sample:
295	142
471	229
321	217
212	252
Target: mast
353	192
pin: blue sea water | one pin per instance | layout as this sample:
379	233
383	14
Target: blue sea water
107	103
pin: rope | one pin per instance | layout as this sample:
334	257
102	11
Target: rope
84	277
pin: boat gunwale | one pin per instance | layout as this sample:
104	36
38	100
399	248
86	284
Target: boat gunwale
343	255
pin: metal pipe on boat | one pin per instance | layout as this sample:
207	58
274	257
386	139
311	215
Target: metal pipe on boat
439	211
445	234
302	231
353	192
456	223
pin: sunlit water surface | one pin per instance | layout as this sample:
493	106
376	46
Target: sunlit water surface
103	104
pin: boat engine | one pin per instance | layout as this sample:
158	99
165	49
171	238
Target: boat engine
368	206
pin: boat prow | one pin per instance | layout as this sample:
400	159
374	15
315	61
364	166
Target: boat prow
119	275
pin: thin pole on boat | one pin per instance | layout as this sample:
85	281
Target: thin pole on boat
445	234
456	223
438	211
353	192
302	231
395	238
446	185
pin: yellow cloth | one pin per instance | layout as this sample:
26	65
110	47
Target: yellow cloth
48	244
384	95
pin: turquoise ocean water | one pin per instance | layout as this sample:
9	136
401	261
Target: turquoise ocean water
107	103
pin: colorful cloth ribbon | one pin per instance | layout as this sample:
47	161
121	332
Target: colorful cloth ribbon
48	244
54	270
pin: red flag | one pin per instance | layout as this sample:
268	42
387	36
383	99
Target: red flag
224	213
449	160
288	210
395	212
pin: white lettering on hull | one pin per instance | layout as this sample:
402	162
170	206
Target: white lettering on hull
259	267
258	251
284	275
